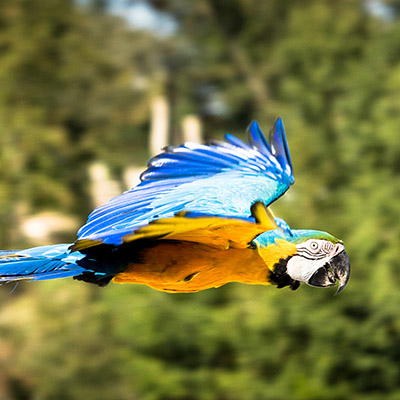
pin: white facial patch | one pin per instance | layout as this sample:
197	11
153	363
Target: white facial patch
311	255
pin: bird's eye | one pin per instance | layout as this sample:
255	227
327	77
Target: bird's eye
314	245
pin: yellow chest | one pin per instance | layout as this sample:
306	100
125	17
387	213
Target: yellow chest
190	267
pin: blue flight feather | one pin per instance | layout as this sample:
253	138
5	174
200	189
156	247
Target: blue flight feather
258	140
222	178
280	148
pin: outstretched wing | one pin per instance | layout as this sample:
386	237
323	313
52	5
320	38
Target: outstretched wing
222	178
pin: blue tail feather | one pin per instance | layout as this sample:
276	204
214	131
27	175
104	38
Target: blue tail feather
39	263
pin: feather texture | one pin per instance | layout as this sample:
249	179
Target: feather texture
39	263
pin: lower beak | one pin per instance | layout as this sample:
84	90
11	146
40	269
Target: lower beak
338	269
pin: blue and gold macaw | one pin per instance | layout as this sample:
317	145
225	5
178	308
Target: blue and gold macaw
200	218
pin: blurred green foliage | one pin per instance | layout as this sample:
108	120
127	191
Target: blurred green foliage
68	96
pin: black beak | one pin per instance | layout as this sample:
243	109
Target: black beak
338	268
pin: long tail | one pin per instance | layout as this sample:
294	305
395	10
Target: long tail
39	263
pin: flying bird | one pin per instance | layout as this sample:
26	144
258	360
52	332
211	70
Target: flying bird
199	218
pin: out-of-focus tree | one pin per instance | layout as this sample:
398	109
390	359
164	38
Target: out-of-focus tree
67	91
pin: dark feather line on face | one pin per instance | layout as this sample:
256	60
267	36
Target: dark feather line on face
310	256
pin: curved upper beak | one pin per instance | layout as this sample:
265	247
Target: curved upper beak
338	269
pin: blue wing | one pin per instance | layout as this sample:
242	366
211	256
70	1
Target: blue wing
222	178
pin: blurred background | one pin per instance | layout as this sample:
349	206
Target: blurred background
90	89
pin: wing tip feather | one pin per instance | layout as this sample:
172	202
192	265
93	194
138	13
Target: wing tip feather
280	147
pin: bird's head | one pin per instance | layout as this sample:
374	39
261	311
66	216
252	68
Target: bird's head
313	257
320	260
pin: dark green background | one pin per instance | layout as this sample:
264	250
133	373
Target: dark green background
331	69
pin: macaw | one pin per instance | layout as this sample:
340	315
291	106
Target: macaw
199	218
